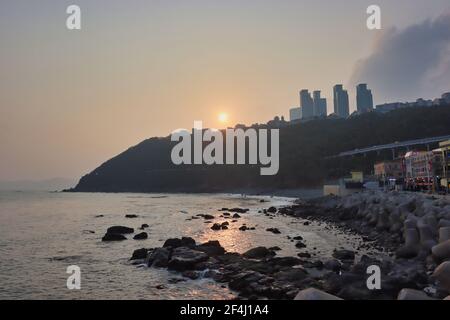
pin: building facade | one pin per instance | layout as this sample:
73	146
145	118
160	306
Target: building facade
340	99
320	105
307	104
364	98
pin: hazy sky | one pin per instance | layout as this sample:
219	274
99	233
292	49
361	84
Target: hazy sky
70	100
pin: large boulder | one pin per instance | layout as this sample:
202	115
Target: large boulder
184	258
176	242
211	248
412	244
258	253
344	254
139	254
119	230
141	236
113	237
442	250
315	294
412	294
158	258
442	274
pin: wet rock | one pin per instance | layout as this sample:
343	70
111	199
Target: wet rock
216	226
442	274
193	275
300	245
306	223
226	214
99	216
113	237
211	248
131	216
139	254
243	228
412	294
285	261
298	238
238	210
158	258
292	275
314	294
273	230
144	226
272	210
259	253
208	216
183	242
344	254
442	250
141	236
332	264
236	216
412	245
119	230
184	258
275	248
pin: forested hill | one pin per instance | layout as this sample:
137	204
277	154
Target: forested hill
304	148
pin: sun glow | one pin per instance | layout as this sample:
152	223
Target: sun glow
223	117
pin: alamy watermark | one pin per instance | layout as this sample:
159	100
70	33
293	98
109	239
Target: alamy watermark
235	144
74	280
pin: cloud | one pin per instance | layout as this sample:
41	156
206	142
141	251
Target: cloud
409	63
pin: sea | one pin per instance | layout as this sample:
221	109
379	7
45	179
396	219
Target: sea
42	234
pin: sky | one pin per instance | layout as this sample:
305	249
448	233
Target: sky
70	100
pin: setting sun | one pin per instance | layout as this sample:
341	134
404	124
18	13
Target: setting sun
223	117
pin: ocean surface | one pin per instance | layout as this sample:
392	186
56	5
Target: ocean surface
42	233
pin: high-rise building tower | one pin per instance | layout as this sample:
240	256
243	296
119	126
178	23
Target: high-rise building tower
341	105
320	105
307	104
364	99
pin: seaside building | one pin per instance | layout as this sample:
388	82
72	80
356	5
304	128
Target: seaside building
364	98
307	104
295	114
389	170
340	99
320	105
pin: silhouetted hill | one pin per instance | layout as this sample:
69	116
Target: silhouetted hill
147	167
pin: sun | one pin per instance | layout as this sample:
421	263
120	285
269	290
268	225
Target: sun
223	117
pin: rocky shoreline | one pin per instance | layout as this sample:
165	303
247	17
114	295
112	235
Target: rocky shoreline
412	231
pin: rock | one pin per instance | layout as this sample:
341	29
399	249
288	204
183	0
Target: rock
442	250
304	255
193	275
131	216
344	254
314	294
306	223
412	245
208	217
99	216
292	275
238	210
120	230
184	258
211	248
412	294
442	274
258	253
113	237
236	216
216	226
139	254
141	236
275	248
226	214
273	230
158	258
183	242
444	234
332	264
272	210
243	228
144	225
300	245
298	238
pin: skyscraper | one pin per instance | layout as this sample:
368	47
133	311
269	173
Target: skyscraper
320	105
307	104
340	97
364	99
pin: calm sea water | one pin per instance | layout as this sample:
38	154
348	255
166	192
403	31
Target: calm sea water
41	234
